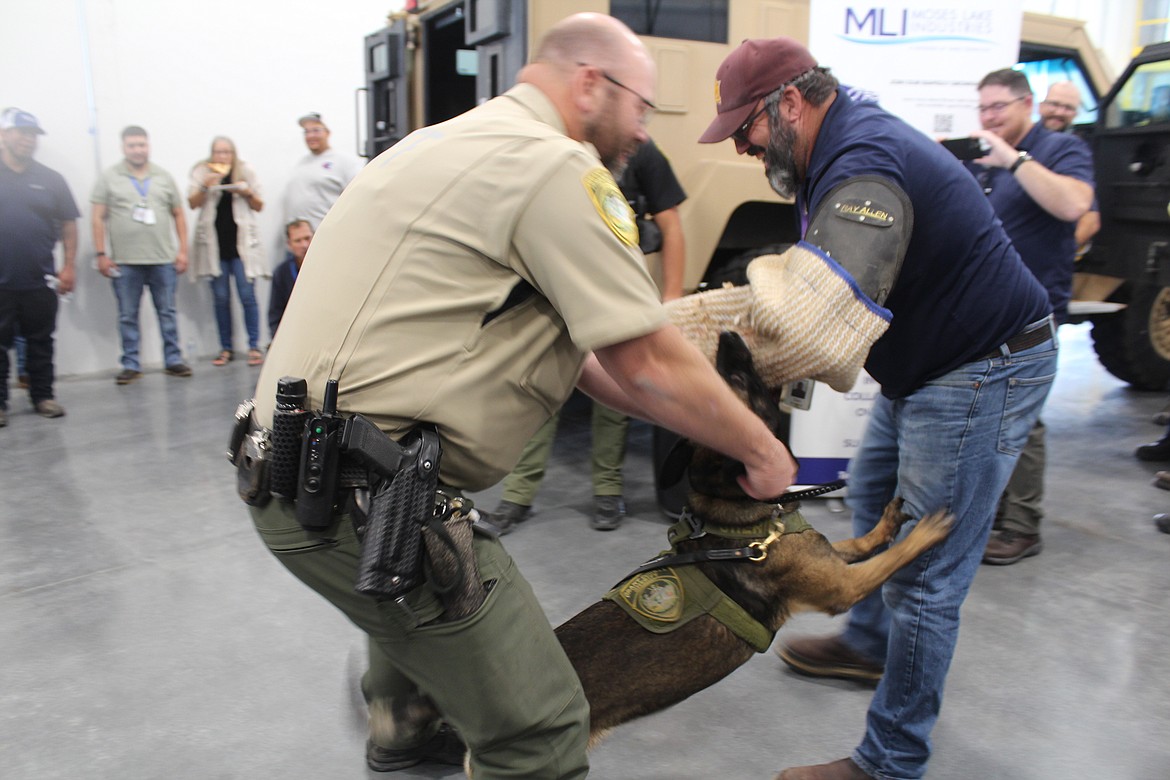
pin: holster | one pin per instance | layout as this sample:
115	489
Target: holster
392	545
250	450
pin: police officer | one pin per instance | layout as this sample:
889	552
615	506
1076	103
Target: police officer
474	273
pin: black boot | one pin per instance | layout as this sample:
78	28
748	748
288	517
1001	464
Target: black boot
1155	451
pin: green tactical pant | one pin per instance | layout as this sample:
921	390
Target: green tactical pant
609	450
499	676
1020	507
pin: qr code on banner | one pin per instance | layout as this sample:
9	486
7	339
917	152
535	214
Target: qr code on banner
944	123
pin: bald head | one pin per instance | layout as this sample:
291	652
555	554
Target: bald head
601	80
1060	106
593	38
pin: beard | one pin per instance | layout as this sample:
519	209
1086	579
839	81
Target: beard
780	158
602	131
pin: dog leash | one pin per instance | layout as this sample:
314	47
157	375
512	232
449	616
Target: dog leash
812	492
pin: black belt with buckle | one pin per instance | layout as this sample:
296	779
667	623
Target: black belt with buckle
1023	340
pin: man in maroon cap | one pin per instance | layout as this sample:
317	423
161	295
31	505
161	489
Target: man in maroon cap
964	367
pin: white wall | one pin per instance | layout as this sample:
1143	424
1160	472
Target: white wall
190	71
186	72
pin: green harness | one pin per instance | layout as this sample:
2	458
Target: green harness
669	591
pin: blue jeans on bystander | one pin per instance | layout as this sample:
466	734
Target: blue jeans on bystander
128	286
222	291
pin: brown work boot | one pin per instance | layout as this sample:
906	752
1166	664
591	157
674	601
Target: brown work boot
1008	546
828	656
843	769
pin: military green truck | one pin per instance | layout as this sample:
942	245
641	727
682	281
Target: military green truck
436	59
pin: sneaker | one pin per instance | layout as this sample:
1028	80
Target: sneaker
608	512
506	515
22	381
1162	480
50	408
1162	521
127	376
3	417
444	748
828	656
1008	546
179	369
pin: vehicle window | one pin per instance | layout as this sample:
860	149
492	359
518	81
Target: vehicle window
1144	99
1045	71
692	20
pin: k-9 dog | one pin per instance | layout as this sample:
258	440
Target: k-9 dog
762	557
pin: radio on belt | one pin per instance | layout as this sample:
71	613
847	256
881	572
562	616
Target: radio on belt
317	486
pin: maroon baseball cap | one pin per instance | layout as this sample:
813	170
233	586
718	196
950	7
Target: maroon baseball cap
757	67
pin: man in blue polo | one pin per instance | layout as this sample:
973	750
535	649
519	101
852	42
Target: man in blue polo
36	209
964	368
1039	199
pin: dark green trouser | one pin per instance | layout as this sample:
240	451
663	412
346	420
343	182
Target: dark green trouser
609	450
499	676
1020	507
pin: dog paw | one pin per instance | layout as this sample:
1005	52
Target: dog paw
934	527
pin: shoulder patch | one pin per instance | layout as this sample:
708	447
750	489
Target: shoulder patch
611	205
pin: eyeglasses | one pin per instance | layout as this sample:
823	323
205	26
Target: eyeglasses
1057	105
997	108
741	134
648	107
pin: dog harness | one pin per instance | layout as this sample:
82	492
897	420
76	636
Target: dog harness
669	591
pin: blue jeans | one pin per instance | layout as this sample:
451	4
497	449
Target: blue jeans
128	290
221	288
951	445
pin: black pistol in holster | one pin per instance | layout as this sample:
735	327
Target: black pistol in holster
403	479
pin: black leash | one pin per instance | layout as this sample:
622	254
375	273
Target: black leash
812	492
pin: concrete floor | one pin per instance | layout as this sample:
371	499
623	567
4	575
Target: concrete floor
146	633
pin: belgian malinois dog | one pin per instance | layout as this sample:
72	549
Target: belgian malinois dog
783	574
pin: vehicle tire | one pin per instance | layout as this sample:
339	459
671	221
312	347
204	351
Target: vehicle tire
734	270
1134	343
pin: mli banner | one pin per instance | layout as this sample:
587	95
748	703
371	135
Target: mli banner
921	61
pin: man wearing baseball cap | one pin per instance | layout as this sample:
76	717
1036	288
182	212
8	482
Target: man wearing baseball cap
36	210
964	367
320	176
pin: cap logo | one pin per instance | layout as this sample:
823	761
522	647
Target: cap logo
718	97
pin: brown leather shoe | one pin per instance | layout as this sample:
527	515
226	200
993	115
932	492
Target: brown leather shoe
828	656
1008	546
843	769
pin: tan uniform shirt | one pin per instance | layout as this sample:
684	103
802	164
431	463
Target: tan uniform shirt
432	237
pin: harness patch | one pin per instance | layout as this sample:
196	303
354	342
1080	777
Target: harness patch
611	205
658	595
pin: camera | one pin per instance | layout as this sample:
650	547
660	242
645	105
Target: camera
966	148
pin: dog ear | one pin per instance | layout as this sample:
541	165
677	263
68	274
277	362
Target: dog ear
674	465
733	360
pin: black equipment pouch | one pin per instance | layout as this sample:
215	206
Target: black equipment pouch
392	547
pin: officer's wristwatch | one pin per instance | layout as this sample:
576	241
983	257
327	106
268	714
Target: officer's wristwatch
1023	158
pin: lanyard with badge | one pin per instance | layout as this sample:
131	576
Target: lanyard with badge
142	212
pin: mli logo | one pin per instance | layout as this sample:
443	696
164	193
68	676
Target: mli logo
874	23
